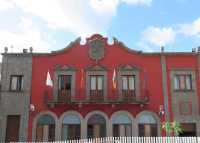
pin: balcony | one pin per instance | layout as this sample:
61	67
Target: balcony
128	95
64	96
96	97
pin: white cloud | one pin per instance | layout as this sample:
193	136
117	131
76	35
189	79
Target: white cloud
144	46
5	5
138	2
159	36
191	29
104	7
27	36
79	17
67	15
109	7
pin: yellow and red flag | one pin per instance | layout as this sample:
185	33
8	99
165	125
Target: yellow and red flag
114	80
82	78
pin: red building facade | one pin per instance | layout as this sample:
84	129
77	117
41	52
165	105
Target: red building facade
102	89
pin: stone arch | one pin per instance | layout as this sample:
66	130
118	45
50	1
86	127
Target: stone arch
37	117
123	113
90	114
66	114
154	115
70	113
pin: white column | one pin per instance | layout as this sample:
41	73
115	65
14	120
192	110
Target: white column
110	129
83	129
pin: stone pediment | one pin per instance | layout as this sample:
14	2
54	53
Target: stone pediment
128	67
64	68
96	68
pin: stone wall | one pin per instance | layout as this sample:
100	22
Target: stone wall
15	102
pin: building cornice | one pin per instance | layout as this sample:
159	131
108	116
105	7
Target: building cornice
98	36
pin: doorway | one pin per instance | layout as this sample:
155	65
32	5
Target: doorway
12	128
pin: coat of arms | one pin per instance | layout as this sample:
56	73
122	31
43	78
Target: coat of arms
96	51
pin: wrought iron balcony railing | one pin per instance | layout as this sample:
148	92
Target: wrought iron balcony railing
64	96
98	97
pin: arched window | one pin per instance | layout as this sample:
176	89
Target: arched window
96	126
45	129
71	127
122	126
147	125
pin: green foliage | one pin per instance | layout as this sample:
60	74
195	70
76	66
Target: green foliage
166	126
177	127
172	127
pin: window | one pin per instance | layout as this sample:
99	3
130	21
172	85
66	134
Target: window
96	82
128	85
128	82
64	84
16	83
183	82
71	127
96	126
147	126
45	128
122	125
96	85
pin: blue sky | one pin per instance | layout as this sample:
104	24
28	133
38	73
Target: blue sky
146	25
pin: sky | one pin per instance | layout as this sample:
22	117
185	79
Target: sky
49	25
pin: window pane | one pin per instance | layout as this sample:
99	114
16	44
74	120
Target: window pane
93	83
182	82
124	83
22	83
14	83
100	83
116	130
131	83
19	82
64	132
176	82
128	130
68	82
61	82
188	82
147	130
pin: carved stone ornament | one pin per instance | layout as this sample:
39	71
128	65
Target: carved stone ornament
96	51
